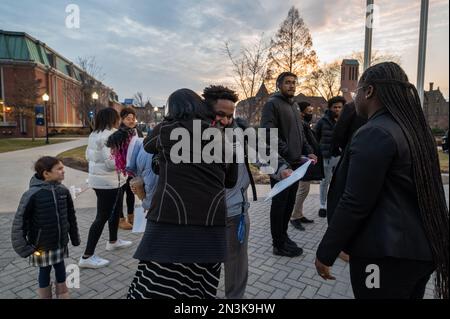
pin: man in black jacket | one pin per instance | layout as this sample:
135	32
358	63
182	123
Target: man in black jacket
324	132
282	112
314	173
348	123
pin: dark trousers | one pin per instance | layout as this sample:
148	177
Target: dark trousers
109	206
280	213
130	198
44	274
236	264
398	278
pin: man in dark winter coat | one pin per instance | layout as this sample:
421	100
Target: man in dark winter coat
348	123
283	113
314	173
324	132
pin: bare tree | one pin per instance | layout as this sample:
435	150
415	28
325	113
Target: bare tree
139	98
80	95
90	66
377	57
291	49
73	93
325	81
249	71
144	109
24	99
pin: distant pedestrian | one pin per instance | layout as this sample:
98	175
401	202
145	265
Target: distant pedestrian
107	183
314	173
128	121
324	133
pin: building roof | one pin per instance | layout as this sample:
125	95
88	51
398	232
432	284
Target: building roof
262	92
350	62
20	46
434	95
313	100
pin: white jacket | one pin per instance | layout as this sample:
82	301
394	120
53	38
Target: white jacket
102	169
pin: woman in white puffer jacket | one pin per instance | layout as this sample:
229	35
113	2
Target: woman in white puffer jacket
107	184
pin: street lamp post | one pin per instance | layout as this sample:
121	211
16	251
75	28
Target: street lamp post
95	99
46	98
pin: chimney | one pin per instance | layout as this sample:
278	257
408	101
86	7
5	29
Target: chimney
431	86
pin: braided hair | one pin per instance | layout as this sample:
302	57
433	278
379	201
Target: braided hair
402	101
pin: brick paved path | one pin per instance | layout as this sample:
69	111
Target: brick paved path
270	276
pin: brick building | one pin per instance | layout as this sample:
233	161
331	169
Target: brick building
349	78
28	70
436	108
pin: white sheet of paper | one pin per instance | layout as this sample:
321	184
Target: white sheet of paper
285	183
140	221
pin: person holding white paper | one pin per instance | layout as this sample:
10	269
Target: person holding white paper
282	112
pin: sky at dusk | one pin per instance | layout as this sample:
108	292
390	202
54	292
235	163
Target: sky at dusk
157	47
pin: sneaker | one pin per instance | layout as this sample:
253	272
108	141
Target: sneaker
118	244
93	262
297	224
123	224
322	212
305	220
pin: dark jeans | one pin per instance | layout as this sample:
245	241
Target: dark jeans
280	213
130	198
398	278
109	206
44	274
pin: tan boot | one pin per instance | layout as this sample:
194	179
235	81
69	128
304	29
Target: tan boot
45	293
61	290
123	224
130	218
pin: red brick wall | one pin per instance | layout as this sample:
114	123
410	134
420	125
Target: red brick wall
56	106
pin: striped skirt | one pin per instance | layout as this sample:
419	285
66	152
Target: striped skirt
174	281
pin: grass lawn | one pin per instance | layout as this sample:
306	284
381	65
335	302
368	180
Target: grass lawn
75	158
443	159
12	144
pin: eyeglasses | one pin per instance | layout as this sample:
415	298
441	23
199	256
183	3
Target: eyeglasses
353	94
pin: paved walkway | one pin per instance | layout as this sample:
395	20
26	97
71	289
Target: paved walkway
270	276
16	169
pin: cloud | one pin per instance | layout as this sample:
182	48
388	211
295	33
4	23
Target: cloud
157	47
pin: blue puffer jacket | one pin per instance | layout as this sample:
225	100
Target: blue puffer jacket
139	162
